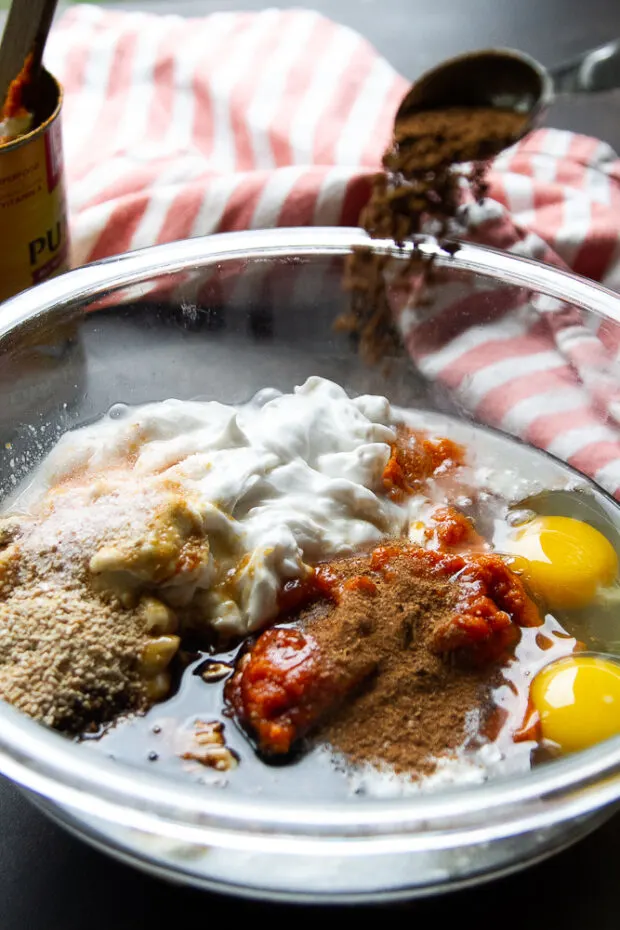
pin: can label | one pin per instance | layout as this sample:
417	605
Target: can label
33	215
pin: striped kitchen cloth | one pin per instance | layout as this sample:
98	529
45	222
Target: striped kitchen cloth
179	127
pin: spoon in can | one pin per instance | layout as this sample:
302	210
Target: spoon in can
508	80
26	31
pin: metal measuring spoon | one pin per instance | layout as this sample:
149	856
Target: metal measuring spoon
506	79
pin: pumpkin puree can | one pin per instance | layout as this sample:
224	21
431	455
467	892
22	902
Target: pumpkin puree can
33	213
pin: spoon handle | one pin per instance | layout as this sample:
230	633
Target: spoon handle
26	30
594	71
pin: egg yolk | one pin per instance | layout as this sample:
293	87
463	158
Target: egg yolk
578	701
567	561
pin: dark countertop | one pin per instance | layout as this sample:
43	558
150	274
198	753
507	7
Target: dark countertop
51	881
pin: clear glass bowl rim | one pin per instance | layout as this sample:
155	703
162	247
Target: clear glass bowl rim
48	764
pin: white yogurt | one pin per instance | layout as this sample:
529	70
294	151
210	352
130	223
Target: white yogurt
276	485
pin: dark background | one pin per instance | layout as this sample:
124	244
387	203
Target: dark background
50	881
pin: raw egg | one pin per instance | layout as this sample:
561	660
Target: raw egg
567	560
578	701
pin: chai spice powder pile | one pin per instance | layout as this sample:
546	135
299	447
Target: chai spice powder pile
370	667
419	183
415	705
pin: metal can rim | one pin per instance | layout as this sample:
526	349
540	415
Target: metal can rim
41	128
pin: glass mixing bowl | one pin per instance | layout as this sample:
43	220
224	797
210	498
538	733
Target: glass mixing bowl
219	318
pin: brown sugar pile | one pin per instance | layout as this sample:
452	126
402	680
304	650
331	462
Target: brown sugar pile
419	183
391	664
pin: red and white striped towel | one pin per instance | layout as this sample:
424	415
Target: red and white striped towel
180	127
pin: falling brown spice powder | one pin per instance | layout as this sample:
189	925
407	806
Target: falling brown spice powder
420	183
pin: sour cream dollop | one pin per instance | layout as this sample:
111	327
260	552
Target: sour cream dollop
275	485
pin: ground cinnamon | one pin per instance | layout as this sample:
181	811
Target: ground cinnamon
391	662
415	705
420	183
